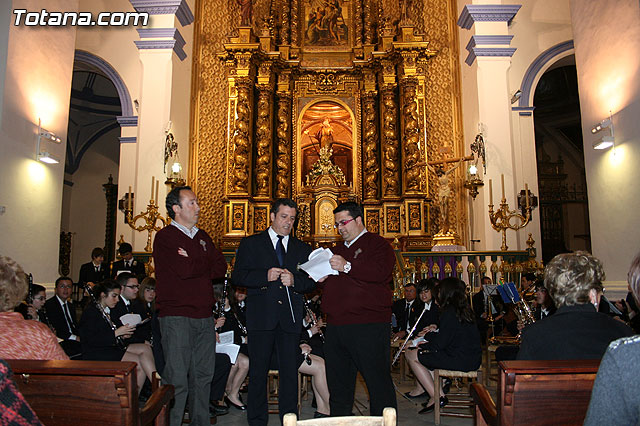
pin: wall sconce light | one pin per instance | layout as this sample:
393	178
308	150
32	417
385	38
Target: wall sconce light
46	136
473	181
607	141
174	175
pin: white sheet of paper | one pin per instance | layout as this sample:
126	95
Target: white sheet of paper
226	337
131	319
318	265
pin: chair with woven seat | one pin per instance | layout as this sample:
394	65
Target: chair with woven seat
388	418
457	400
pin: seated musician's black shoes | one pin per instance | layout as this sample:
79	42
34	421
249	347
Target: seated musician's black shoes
446	386
217	409
318	415
408	395
443	401
427	408
232	404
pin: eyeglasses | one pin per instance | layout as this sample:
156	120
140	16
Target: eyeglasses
342	223
133	286
65	286
39	298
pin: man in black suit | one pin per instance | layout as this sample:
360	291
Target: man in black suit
93	272
128	263
62	317
402	308
266	264
129	288
482	309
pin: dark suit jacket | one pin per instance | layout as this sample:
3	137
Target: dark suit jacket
573	332
88	274
97	337
399	310
120	309
267	302
432	316
57	319
137	269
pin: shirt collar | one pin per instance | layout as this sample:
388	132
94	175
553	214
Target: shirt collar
350	243
188	232
125	300
60	300
274	238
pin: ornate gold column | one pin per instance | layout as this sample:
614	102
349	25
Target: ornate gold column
263	165
283	137
370	138
412	154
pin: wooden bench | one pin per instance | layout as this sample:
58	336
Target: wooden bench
537	392
81	393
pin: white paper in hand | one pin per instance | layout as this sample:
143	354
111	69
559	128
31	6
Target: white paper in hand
318	265
131	319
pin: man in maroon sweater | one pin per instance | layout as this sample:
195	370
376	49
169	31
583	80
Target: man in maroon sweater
186	263
357	302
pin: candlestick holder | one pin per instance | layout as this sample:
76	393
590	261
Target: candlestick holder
501	219
151	218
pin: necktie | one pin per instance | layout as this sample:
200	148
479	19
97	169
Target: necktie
406	311
280	250
67	316
97	268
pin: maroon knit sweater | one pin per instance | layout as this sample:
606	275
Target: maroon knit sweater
183	284
363	295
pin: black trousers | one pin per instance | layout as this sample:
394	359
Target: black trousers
220	376
262	343
364	348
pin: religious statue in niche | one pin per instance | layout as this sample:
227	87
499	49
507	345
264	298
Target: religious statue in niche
246	12
444	192
326	142
326	23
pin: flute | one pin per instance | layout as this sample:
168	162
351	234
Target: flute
395	358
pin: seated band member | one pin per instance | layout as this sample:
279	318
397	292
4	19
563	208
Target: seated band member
93	272
576	330
20	338
428	314
61	312
127	263
457	344
127	304
402	309
100	334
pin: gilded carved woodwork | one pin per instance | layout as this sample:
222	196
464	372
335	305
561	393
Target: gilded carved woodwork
413	163
283	159
263	143
407	107
390	171
239	165
371	167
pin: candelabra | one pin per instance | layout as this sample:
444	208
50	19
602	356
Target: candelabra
150	216
501	219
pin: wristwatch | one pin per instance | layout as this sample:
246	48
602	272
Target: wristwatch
347	267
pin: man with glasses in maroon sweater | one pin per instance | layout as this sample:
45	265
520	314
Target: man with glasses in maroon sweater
357	302
186	262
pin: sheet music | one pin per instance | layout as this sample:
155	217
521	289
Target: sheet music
318	265
226	346
131	319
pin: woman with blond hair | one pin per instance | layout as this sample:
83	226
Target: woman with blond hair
20	338
577	330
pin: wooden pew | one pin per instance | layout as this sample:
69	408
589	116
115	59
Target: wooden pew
81	393
537	392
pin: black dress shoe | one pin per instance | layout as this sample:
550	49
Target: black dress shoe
318	415
443	401
446	386
217	409
232	404
427	409
408	395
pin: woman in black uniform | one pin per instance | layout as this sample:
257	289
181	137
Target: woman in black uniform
456	346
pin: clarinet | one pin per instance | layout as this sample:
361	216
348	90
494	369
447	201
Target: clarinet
312	317
119	340
45	319
29	299
223	299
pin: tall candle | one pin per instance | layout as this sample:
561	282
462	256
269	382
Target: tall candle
152	180
502	179
526	191
490	192
157	184
129	200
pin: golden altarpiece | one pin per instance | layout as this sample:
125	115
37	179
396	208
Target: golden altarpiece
324	101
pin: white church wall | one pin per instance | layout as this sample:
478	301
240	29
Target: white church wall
607	35
37	85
